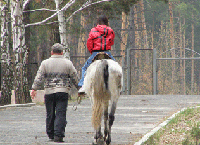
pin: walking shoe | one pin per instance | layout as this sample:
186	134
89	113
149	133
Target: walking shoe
58	139
51	138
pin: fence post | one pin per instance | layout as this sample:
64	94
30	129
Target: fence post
123	74
154	73
128	73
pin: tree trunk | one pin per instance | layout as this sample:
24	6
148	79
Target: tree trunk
124	33
20	52
181	54
171	26
62	28
131	34
172	42
82	37
152	34
6	83
27	43
82	40
136	27
144	30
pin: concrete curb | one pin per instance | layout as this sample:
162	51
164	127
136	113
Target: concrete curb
148	135
17	105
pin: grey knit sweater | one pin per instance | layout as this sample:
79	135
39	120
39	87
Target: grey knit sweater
57	73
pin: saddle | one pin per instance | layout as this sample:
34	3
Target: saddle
100	56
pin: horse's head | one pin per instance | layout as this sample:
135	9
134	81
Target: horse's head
101	55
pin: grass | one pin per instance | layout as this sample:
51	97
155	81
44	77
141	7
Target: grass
183	129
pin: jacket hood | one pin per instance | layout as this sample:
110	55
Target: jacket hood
101	28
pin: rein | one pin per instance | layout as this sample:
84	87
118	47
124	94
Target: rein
78	101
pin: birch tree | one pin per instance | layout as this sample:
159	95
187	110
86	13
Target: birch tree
62	20
62	27
20	52
5	97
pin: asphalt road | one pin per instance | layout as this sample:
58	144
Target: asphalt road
135	116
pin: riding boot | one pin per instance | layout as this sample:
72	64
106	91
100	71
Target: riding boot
81	91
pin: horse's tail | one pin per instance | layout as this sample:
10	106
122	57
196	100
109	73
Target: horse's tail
100	92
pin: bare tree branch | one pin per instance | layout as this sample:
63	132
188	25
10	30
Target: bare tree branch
2	5
85	5
43	9
64	8
25	3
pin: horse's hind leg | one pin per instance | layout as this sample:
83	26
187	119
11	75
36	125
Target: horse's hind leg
98	136
111	120
106	120
98	133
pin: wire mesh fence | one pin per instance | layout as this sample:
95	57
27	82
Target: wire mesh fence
179	75
141	65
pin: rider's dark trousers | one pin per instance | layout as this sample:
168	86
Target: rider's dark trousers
56	105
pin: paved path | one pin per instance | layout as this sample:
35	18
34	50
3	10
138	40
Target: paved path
135	116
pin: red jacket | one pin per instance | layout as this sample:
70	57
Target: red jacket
101	37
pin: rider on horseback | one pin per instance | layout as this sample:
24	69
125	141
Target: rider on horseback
101	38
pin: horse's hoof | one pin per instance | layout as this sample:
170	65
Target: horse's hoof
108	141
99	141
94	142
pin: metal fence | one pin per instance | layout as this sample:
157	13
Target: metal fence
175	72
146	72
178	75
140	71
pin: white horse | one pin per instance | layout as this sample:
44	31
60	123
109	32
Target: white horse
103	82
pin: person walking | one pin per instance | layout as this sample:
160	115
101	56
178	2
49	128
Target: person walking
58	74
101	38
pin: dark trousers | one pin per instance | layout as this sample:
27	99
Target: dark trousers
56	105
